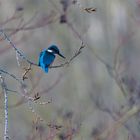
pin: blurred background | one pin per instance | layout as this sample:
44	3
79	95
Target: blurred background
91	93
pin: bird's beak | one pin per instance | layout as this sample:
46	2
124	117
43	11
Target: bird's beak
61	55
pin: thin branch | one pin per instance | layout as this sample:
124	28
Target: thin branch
86	9
26	71
40	93
71	59
4	88
21	83
89	9
15	48
11	75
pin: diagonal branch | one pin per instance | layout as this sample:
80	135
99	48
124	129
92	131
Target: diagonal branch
15	48
71	59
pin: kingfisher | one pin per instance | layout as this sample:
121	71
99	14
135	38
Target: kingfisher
47	56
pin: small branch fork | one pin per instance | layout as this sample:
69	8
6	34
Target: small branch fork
24	92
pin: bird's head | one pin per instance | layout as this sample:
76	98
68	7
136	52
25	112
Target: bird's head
54	50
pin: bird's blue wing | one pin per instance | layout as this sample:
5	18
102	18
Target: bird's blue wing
39	58
46	59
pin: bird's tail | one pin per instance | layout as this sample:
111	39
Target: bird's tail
46	69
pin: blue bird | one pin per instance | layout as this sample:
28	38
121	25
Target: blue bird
47	57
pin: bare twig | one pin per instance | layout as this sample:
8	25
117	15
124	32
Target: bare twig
90	9
26	71
15	48
4	88
11	75
21	83
87	9
71	59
